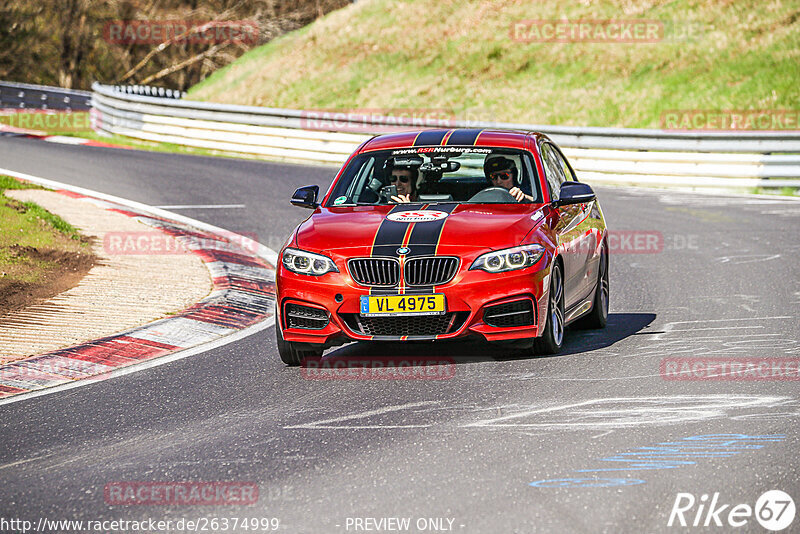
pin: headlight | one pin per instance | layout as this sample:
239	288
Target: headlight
509	259
302	262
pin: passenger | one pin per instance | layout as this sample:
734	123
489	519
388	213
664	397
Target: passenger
502	172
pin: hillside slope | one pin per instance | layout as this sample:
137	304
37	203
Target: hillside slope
461	56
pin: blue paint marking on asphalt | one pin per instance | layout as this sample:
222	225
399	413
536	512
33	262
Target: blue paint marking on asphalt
668	455
586	482
671	455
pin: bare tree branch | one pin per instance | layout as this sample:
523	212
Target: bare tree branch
182	65
163	46
65	41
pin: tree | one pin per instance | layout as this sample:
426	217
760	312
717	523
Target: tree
66	42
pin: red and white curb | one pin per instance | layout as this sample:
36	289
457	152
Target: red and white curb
241	303
60	139
67	140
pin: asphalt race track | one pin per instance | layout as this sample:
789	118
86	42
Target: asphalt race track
586	427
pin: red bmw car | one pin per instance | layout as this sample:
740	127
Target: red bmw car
444	234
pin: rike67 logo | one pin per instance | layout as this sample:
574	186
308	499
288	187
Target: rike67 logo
774	510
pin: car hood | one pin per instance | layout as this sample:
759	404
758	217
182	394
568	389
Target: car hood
356	230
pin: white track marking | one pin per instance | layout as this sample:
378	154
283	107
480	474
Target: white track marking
669	327
241	334
720	337
264	252
702	196
746	258
201	206
568	379
737	327
626	412
25	461
327	423
65	140
739	319
766	416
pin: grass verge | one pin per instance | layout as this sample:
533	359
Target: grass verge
466	58
41	255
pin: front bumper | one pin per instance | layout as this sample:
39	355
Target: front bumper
467	296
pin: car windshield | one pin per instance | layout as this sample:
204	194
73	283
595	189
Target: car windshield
476	175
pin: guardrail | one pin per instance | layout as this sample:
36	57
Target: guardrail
149	90
27	96
610	155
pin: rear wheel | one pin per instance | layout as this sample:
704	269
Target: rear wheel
598	317
294	354
551	341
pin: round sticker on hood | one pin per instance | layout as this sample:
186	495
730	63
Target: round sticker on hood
417	216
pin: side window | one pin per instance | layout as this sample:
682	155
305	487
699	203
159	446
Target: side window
533	178
359	190
552	170
569	175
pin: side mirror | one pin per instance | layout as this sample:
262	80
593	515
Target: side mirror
306	197
575	193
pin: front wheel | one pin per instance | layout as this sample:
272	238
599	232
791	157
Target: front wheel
551	341
291	354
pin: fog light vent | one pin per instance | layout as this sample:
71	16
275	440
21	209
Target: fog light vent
305	317
517	313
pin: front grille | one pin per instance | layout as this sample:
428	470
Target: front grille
305	317
418	325
517	313
375	271
432	271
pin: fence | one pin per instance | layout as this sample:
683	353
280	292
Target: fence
27	96
604	155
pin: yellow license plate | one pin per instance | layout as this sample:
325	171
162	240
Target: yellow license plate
402	304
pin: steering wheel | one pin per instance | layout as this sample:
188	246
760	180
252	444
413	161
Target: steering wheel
493	194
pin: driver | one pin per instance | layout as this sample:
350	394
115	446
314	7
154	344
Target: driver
405	178
502	172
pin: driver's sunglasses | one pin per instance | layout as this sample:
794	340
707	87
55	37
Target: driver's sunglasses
402	177
501	175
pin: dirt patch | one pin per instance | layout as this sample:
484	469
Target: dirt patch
119	293
65	270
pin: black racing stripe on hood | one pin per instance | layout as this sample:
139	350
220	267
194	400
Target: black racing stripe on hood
425	236
464	137
430	137
390	233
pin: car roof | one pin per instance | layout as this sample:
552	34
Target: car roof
452	137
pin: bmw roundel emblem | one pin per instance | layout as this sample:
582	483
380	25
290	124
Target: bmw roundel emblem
402	251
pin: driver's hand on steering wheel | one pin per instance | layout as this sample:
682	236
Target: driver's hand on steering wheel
401	199
517	193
